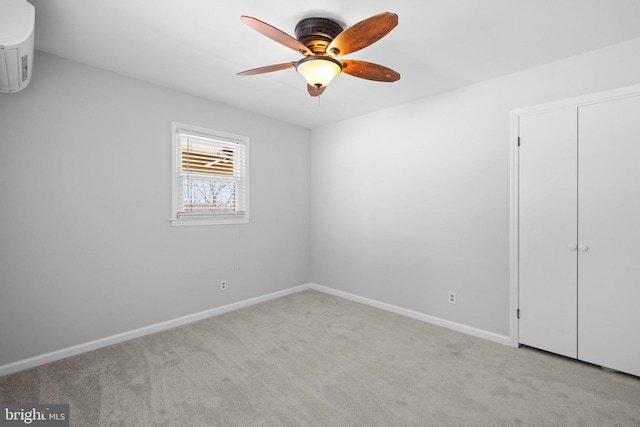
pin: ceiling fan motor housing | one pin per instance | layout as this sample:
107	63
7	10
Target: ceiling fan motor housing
317	33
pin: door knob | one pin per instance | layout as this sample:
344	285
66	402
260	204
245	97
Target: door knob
573	246
583	248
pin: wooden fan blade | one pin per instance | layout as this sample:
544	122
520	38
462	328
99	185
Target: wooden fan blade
267	69
363	34
315	91
275	34
369	71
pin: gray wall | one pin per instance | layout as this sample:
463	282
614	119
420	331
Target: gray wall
406	203
86	247
413	201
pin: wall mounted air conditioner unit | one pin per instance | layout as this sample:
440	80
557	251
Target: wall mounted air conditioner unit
17	19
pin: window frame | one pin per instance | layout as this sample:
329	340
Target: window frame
243	217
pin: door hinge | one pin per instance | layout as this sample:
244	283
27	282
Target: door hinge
518	313
518	141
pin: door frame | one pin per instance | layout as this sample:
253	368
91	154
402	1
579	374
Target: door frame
514	212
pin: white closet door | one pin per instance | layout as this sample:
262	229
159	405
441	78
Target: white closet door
609	234
548	231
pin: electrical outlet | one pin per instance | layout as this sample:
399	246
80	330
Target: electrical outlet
223	285
452	297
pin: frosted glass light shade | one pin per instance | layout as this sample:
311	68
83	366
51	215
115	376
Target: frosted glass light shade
318	71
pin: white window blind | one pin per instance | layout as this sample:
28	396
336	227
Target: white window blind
210	176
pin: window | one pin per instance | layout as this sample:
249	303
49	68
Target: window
210	176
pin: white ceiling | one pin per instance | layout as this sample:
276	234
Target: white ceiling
198	46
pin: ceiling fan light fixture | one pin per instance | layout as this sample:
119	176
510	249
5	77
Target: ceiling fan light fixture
319	40
318	71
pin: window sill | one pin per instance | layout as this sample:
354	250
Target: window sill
209	221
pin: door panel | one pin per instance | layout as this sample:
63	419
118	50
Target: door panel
609	218
548	225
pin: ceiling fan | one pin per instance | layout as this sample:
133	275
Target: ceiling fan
321	40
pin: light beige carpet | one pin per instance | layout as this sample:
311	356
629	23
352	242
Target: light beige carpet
311	359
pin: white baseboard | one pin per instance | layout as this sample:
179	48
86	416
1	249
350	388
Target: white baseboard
501	339
32	362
